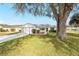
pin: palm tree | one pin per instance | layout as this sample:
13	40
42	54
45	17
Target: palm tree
59	12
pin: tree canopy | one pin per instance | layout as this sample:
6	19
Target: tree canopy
40	9
74	20
44	9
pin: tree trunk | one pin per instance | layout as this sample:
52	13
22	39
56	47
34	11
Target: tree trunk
61	28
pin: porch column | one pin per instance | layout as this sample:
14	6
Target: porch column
45	31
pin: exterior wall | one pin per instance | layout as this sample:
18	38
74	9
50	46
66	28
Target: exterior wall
45	31
9	29
18	29
27	28
1	27
72	30
49	29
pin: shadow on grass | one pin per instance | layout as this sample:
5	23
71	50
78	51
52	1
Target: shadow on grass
73	34
67	47
6	47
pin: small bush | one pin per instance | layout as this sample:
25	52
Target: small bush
33	31
12	30
3	30
38	31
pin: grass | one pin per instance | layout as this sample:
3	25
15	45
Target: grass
41	45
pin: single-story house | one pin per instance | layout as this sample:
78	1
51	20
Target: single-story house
26	28
42	28
10	28
70	29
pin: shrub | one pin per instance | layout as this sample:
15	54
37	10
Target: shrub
1	30
38	31
33	31
12	30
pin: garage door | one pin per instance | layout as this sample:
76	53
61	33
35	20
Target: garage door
28	30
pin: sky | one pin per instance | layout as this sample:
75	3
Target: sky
9	16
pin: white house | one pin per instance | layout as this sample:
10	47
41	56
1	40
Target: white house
43	29
10	28
70	29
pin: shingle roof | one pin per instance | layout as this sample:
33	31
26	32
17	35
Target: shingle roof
39	25
17	26
44	25
10	26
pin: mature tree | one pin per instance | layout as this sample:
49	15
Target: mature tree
61	17
59	12
74	20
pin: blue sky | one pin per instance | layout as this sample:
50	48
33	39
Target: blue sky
9	16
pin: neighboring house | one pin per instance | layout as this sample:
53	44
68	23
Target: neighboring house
10	28
70	29
27	28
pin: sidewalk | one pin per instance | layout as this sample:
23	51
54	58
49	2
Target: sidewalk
10	37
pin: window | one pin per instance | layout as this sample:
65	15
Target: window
46	29
74	29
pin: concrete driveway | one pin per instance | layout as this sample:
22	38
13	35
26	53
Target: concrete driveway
10	37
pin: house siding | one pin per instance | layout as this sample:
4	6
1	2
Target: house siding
70	29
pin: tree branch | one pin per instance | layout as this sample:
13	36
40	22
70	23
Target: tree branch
54	10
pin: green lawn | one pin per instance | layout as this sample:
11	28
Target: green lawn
42	45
